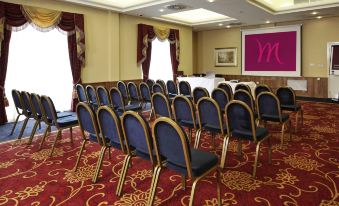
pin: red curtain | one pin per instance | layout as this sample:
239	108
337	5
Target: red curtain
174	47
3	70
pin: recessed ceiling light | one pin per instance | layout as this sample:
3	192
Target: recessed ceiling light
267	22
211	1
161	10
314	13
319	17
228	26
220	24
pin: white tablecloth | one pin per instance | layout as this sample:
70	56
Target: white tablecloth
208	83
252	85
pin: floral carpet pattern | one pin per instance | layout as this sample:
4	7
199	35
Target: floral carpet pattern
304	172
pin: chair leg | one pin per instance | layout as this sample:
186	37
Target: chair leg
99	164
296	122
256	159
218	187
23	128
224	151
33	132
290	129
190	133
213	142
44	137
39	124
239	147
79	157
282	135
16	121
183	182
123	175
71	132
109	153
154	184
193	191
55	141
197	139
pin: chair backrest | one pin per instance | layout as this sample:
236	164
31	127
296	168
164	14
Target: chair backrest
116	98
91	94
27	107
239	117
88	121
210	114
36	106
198	93
17	99
244	96
110	126
133	91
157	88
243	87
171	142
171	87
145	92
268	104
49	109
81	93
103	96
221	97
183	110
137	133
123	89
261	88
162	83
185	88
150	83
286	96
161	105
227	88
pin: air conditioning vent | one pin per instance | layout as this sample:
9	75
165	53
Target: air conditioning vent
177	7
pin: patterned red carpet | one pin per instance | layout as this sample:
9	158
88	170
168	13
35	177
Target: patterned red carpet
304	172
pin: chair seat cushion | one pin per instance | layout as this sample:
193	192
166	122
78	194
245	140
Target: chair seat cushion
201	162
295	107
65	114
261	133
67	121
275	118
214	128
133	107
189	124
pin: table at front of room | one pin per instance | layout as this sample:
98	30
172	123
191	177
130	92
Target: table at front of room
208	83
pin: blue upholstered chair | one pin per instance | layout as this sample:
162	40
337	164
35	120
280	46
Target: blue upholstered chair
243	87
133	93
198	93
61	120
246	97
157	88
261	88
185	89
228	89
240	124
171	142
27	110
268	106
18	106
221	97
210	119
138	139
288	102
145	94
81	93
150	83
161	106
103	96
123	90
162	84
172	89
37	114
92	96
184	113
90	132
119	102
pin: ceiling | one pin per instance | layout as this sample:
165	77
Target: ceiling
216	14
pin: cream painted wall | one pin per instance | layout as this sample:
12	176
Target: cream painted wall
315	35
111	40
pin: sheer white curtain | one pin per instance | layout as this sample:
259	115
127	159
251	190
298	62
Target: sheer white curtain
38	62
161	66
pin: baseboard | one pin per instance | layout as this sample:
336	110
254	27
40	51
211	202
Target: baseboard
316	99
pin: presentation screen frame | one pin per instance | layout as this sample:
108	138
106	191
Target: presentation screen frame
294	69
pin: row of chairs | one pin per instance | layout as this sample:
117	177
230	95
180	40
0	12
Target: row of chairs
166	145
41	109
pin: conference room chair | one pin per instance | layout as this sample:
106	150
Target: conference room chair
246	97
172	144
161	106
103	96
145	97
210	119
227	88
243	87
184	114
92	96
27	110
119	103
261	88
158	88
198	93
81	93
288	102
36	112
163	85
269	110
185	89
18	107
60	120
133	93
240	123
138	138
123	90
150	83
172	89
221	97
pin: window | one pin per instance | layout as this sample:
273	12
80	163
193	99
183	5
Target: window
38	62
161	66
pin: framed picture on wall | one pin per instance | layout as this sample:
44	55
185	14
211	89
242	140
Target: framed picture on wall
225	57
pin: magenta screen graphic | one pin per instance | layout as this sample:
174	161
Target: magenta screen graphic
274	52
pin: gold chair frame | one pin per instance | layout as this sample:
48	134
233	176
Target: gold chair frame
167	104
207	94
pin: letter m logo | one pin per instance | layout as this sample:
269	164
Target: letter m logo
269	48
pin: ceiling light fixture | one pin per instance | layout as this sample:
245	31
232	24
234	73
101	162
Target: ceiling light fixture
314	13
161	10
228	26
267	22
319	17
211	1
220	24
